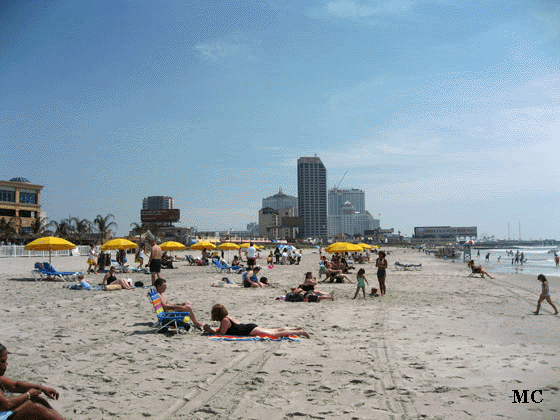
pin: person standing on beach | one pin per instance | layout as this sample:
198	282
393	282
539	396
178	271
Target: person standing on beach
362	281
381	264
92	259
557	260
251	255
545	295
155	261
29	404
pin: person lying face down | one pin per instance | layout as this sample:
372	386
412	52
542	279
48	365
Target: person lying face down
231	326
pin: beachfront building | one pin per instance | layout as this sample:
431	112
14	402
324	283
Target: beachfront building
276	215
442	235
350	222
20	201
280	201
277	223
338	197
312	197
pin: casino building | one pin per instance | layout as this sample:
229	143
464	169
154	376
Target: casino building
20	199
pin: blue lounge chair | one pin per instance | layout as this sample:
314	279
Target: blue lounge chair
46	271
179	321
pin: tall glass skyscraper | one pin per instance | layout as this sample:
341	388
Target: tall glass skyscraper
312	197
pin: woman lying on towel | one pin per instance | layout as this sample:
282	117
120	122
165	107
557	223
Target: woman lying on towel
231	326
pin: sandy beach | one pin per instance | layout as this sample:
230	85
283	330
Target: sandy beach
439	345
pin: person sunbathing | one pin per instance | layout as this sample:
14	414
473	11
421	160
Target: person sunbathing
231	326
29	404
477	269
161	287
110	278
309	284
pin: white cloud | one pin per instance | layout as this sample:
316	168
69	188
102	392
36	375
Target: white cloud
354	9
232	47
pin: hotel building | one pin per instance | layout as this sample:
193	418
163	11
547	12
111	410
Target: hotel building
312	197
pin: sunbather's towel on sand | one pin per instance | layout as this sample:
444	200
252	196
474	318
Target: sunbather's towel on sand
252	338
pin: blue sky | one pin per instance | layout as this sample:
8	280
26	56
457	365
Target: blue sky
444	112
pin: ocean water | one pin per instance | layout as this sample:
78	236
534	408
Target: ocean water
538	260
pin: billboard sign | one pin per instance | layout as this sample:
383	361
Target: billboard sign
163	215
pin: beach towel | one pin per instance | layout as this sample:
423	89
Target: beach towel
252	338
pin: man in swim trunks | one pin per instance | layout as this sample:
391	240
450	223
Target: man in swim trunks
155	261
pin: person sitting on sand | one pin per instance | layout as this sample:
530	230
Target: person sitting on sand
477	269
231	326
251	279
29	404
334	273
166	260
161	287
309	285
545	294
111	278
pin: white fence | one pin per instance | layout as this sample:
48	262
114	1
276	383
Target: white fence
20	251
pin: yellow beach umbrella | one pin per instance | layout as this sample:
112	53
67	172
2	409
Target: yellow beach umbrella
365	246
375	246
172	246
49	243
203	245
118	243
228	245
245	245
344	247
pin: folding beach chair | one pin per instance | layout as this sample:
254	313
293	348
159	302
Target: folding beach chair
179	321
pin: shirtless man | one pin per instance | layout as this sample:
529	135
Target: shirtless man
161	286
155	261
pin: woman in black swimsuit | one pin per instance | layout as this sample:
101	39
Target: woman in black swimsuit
231	326
111	278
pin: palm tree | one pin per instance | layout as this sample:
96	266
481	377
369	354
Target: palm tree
82	227
38	227
104	225
62	229
138	228
9	228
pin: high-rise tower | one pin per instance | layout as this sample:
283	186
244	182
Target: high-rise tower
312	197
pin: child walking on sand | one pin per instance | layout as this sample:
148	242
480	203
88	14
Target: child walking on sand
545	295
361	278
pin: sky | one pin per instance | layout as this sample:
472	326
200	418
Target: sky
443	112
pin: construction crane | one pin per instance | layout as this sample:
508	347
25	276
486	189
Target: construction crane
343	176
